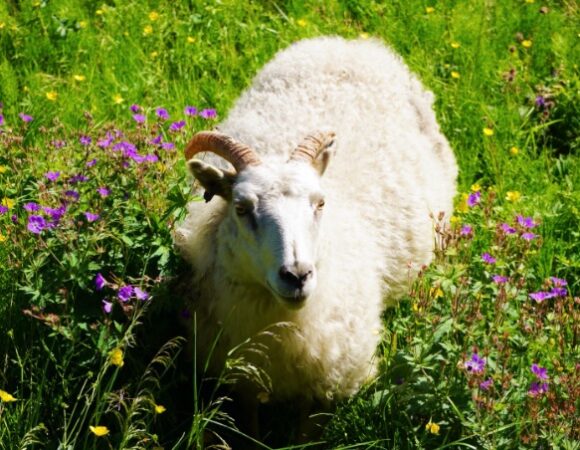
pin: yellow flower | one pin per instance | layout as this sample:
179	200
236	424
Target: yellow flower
455	44
3	169
454	220
147	30
514	150
99	12
83	24
301	22
527	43
117	99
79	77
8	202
159	409
475	187
2	25
153	16
153	55
6	397
99	430
116	357
2	238
436	292
513	196
455	74
190	39
530	1
429	9
36	3
432	428
488	131
52	96
462	206
363	35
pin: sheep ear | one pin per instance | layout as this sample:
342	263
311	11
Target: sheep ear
321	162
215	181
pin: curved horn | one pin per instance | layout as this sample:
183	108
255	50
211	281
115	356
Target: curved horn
239	155
309	149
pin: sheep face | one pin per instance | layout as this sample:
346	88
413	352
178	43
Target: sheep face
270	233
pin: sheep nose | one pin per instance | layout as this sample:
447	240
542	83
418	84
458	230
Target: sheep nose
296	275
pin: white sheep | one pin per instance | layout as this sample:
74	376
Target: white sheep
338	163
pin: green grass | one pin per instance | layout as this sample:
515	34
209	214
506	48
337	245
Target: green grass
76	66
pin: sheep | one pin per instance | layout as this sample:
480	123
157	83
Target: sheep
323	180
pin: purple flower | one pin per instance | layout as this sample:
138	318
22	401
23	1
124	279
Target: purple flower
540	372
32	207
3	209
176	126
208	113
85	140
58	143
92	162
25	117
151	158
103	191
487	258
526	222
558	282
540	101
537	389
475	365
162	113
100	282
156	140
168	146
91	217
36	224
135	108
466	230
485	385
1	120
55	214
190	111
107	307
129	150
106	141
78	178
139	118
14	218
529	236
559	292
507	229
140	294
540	296
72	194
125	293
52	176
499	279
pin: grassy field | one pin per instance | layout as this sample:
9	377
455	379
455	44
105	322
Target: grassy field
97	102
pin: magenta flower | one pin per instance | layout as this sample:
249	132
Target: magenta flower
507	229
135	108
36	224
125	293
190	111
139	118
103	191
25	117
466	230
176	126
52	176
558	282
529	236
91	163
499	279
208	113
168	146
1	120
151	158
140	294
487	258
91	217
473	199
162	113
537	389
485	385
475	365
526	222
540	372
85	140
106	141
540	296
3	209
32	207
107	307
100	282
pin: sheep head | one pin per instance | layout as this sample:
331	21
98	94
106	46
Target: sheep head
270	232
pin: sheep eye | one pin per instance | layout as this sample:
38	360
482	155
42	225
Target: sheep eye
241	210
320	205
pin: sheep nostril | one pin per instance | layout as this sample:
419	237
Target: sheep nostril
297	280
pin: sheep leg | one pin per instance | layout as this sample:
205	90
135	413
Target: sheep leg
313	417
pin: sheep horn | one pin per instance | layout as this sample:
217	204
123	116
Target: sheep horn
238	154
309	149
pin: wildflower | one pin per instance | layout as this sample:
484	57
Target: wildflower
139	118
473	199
6	397
514	151
488	132
485	385
432	428
85	140
526	222
154	55
527	43
487	258
78	178
513	196
190	39
52	96
156	140
135	108
52	176
301	23
118	99
190	111
363	35
153	16
2	238
99	430
32	206
475	187
529	236
429	9
540	296
176	126
92	162
25	117
455	45
466	230
79	77
3	209
107	307
8	202
151	158
100	282
208	113
106	141
537	389
475	365
116	357
147	30
103	191
83	24
159	409
455	74
507	229
74	195
162	113
36	224
1	120
540	372
168	146
140	294
125	293
558	282
436	292
499	279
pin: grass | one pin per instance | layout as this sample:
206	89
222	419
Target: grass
506	78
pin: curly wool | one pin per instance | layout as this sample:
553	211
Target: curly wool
391	170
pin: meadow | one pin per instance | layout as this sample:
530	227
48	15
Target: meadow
97	101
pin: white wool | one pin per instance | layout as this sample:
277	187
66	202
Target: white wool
391	169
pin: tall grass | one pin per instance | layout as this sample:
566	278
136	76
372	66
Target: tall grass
458	352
